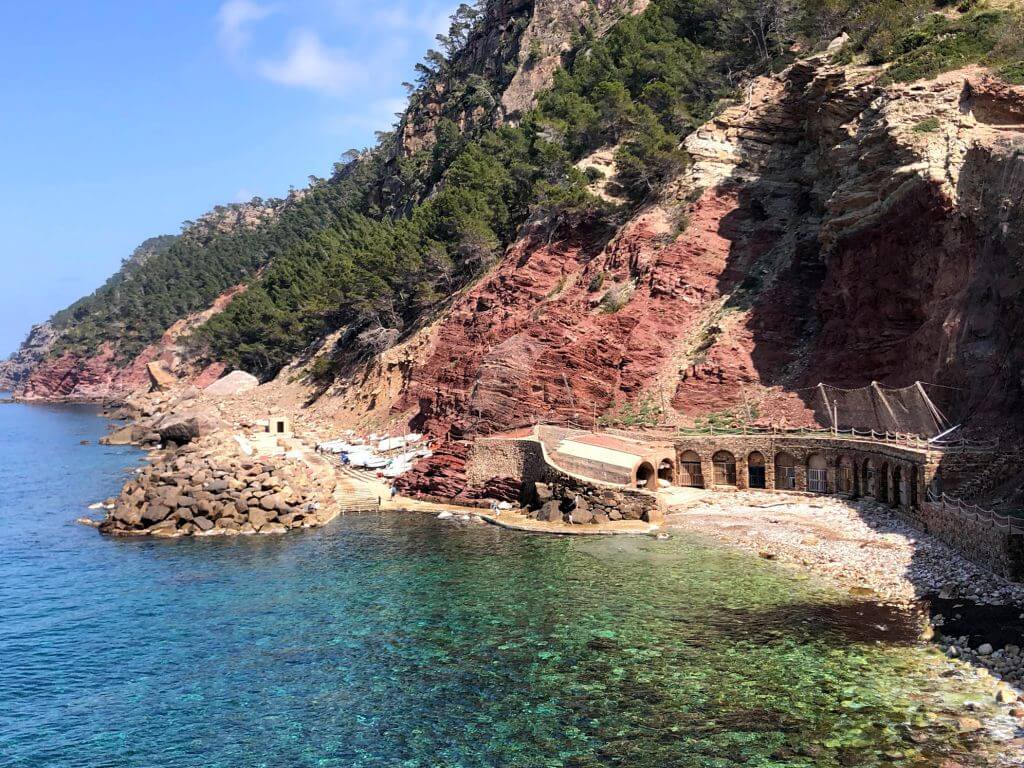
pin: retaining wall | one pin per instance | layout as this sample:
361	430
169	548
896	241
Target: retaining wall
979	540
527	458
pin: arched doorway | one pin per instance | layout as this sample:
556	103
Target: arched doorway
914	500
882	483
666	473
725	468
756	471
844	478
645	475
897	483
867	478
785	472
690	475
817	473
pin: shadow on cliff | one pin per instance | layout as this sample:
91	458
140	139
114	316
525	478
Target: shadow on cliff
846	290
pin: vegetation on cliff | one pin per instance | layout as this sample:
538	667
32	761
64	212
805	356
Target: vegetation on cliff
399	229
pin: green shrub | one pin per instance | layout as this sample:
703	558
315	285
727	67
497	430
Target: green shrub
1013	73
615	298
928	125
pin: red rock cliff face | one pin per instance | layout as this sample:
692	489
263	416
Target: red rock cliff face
104	376
828	234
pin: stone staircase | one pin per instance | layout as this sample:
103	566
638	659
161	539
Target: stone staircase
356	489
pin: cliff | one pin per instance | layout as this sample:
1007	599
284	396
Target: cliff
828	233
830	223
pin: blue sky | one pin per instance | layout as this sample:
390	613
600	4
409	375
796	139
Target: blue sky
121	119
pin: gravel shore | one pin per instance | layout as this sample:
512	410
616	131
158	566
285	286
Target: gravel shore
865	548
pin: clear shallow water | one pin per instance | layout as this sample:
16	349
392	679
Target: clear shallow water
405	641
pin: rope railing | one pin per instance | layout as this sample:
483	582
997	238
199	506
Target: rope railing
1014	525
895	438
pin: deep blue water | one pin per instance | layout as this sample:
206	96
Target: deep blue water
399	640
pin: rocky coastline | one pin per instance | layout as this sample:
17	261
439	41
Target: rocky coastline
199	489
971	615
208	476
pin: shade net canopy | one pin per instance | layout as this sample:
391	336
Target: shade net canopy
907	410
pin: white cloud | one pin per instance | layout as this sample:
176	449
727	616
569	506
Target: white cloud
310	64
234	19
432	21
379	115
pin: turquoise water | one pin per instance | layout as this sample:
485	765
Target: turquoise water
405	641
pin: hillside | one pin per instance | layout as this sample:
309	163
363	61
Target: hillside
629	211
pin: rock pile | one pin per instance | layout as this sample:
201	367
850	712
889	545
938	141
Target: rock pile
554	503
200	491
1007	662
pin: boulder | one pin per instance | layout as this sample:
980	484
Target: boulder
186	426
203	523
160	378
542	493
184	513
259	517
154	513
581	515
128	515
235	383
273	528
551	512
123	436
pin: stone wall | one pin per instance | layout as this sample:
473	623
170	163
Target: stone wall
979	540
872	469
527	459
491	457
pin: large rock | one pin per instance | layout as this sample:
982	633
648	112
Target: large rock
259	517
551	512
160	378
235	383
154	513
186	426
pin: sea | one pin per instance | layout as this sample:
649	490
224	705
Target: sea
405	641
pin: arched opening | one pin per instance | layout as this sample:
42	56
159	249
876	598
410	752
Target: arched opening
666	473
914	479
725	468
817	473
897	489
755	470
882	483
785	472
645	475
844	478
867	478
690	475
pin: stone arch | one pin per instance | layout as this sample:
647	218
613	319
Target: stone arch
756	470
915	502
725	468
817	473
645	476
690	474
666	471
867	478
785	471
897	497
845	475
882	482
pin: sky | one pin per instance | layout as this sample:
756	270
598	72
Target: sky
120	119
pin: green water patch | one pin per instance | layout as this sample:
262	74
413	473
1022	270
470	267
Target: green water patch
636	652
